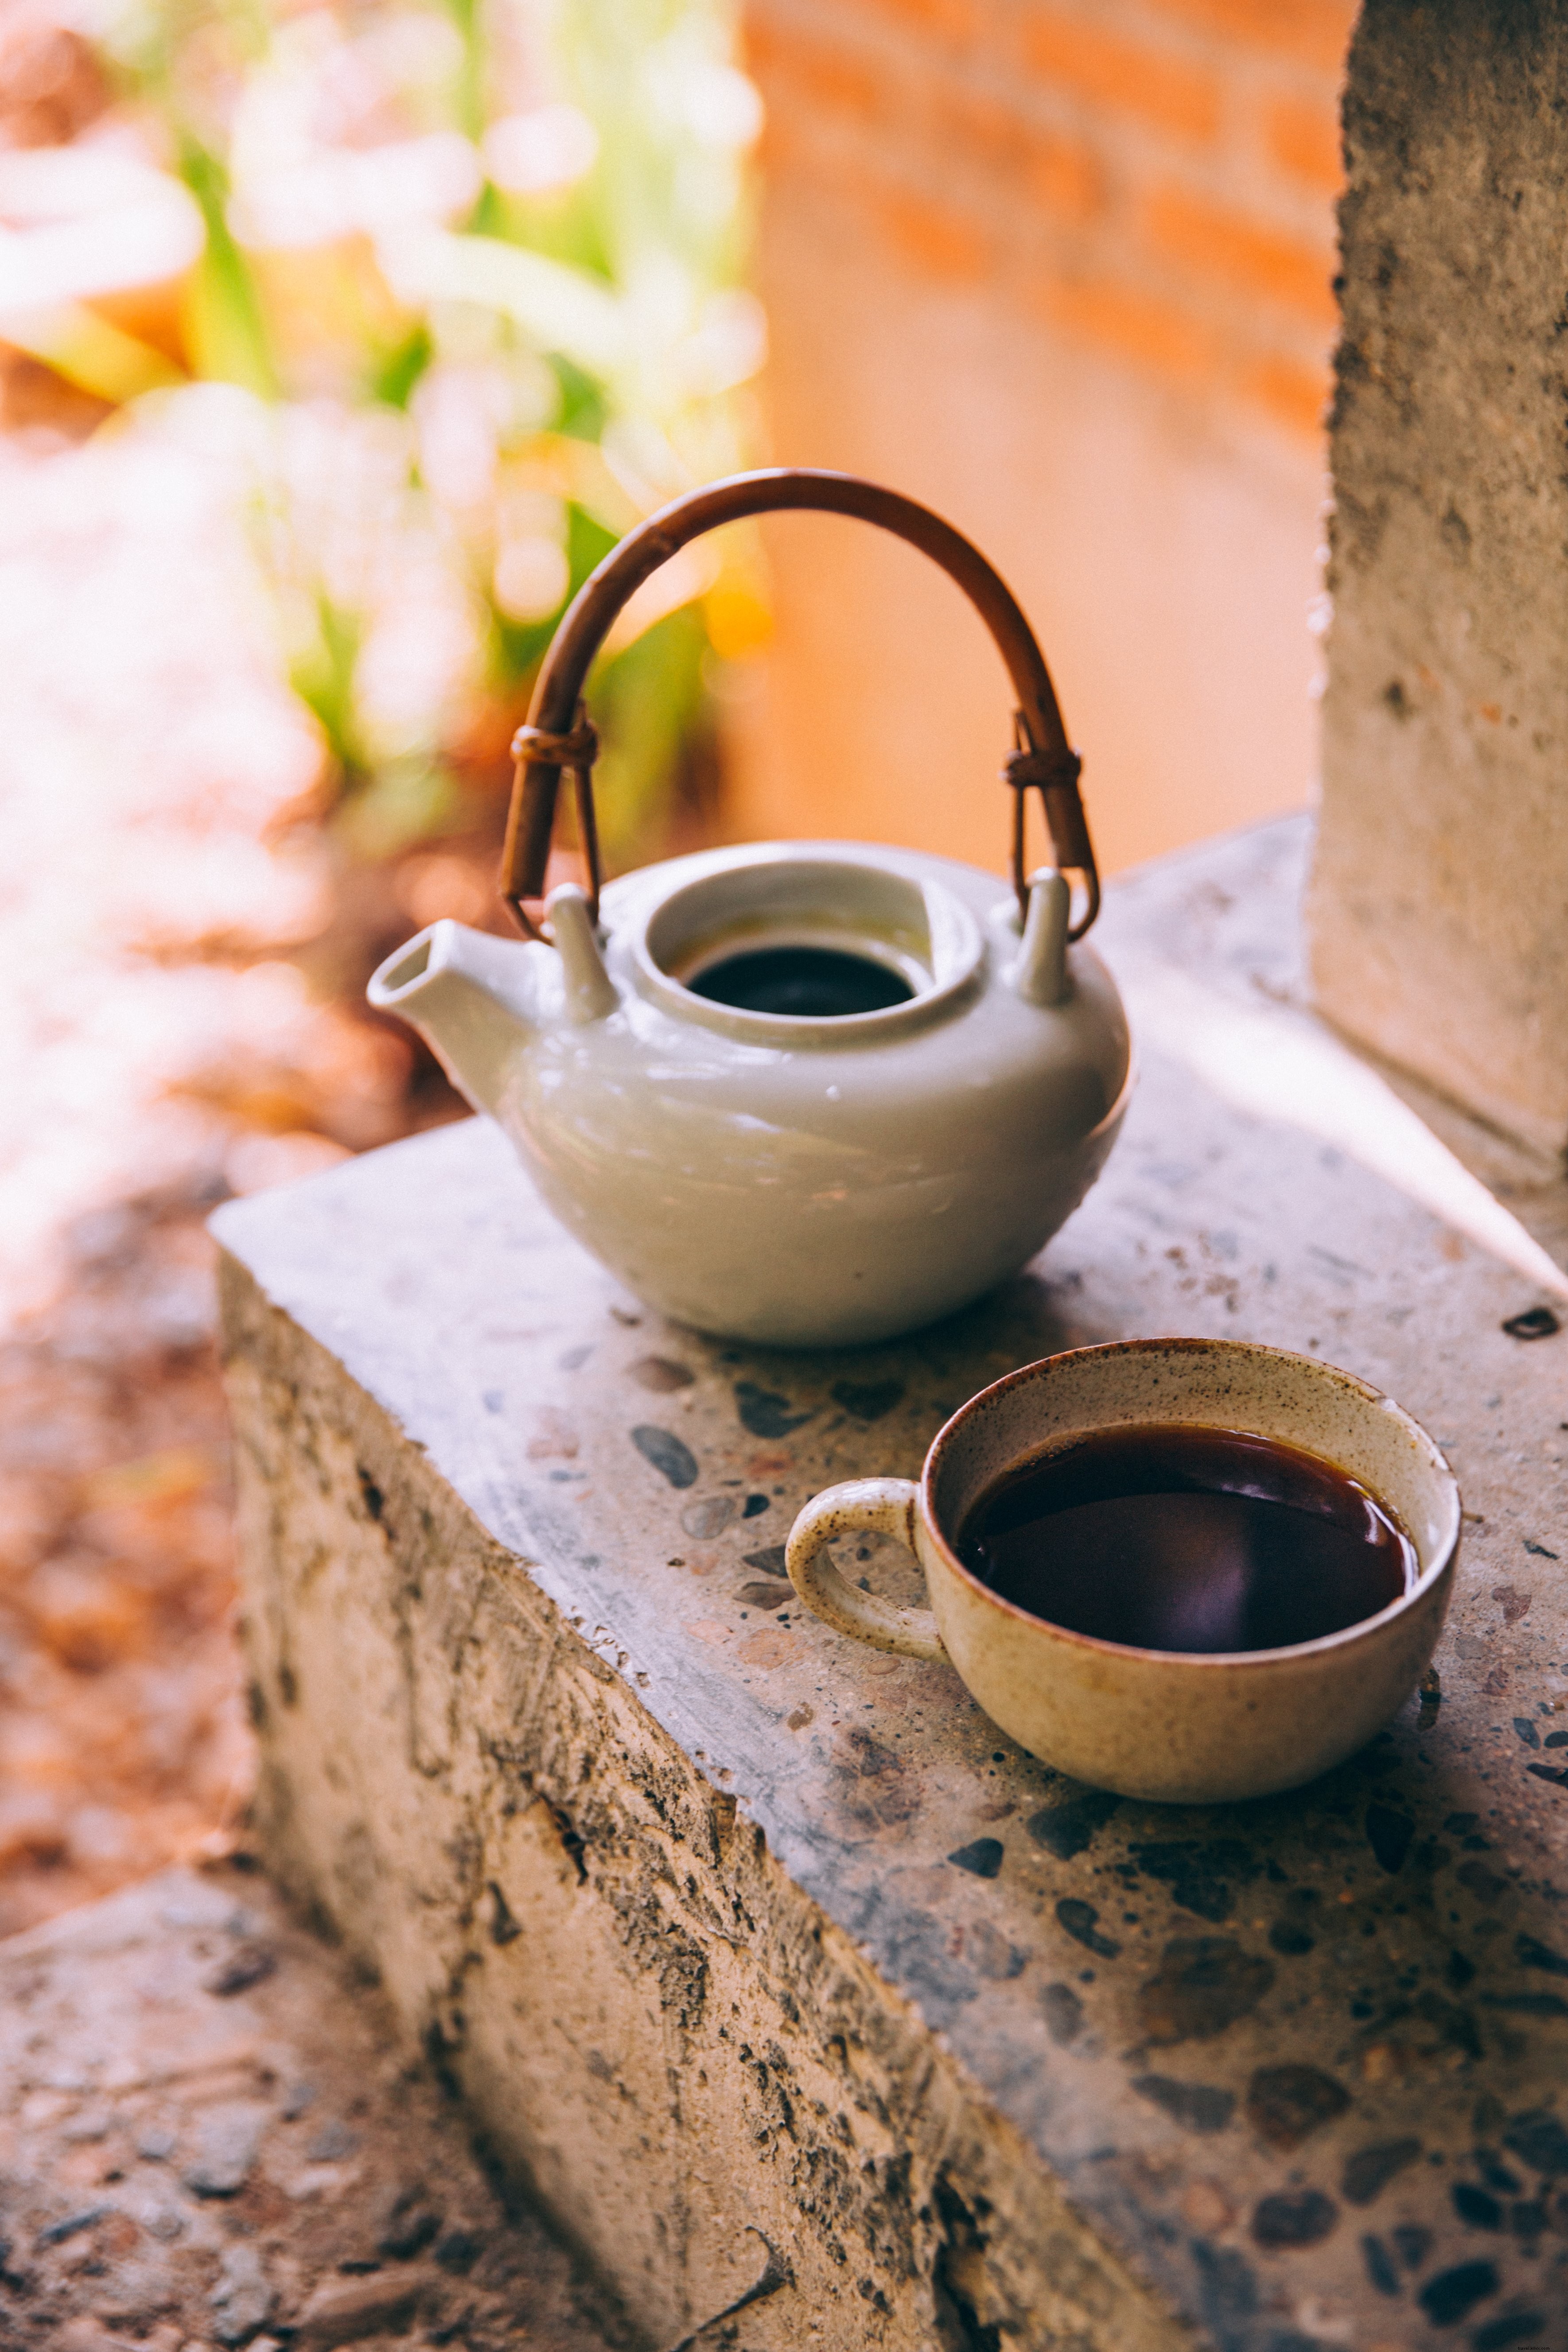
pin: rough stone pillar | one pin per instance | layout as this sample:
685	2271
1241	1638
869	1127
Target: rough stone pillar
1439	905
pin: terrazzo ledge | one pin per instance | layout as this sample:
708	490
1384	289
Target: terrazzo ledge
792	1986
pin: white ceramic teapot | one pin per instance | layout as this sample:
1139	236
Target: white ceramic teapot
800	1092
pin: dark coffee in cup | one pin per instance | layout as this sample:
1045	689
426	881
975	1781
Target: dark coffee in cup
1185	1538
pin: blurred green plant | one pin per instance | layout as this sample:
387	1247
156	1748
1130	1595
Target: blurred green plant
477	268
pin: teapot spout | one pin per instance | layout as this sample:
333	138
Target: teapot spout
469	996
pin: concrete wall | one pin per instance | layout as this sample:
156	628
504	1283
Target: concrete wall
1440	902
1065	272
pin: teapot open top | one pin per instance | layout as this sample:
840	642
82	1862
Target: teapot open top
802	1093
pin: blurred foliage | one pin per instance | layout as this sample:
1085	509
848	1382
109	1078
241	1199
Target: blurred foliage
472	271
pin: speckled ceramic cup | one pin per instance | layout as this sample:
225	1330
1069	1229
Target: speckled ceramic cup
1174	1727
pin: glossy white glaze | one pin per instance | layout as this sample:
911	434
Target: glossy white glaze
794	1181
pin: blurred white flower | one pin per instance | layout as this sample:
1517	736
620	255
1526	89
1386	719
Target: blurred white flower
643	461
416	657
336	492
292	199
89	220
728	347
413	51
562	309
532	576
532	573
531	154
460	410
370	607
720	106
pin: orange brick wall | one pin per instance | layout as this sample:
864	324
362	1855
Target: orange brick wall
1067	270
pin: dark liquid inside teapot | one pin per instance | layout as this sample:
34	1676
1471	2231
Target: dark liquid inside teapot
805	984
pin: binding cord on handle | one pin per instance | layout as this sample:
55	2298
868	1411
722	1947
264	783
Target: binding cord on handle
1054	775
576	751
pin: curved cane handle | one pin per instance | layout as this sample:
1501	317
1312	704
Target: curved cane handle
887	1507
555	735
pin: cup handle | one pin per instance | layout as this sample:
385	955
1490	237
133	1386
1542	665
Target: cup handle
887	1507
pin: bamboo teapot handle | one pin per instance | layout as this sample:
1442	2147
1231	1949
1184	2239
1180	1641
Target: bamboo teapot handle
558	734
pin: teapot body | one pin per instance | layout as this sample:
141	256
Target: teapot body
797	1180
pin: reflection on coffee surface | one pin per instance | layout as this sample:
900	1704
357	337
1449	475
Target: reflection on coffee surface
1177	1537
